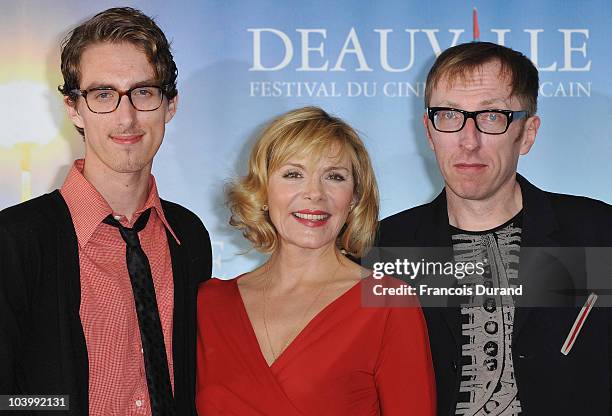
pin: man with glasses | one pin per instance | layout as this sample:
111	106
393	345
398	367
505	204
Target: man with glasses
494	354
98	280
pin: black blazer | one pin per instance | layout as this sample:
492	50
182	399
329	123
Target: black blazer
549	382
42	345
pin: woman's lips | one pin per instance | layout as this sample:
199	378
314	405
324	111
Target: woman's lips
311	218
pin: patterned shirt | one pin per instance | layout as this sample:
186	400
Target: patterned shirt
488	386
117	379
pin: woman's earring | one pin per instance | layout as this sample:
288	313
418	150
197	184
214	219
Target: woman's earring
264	207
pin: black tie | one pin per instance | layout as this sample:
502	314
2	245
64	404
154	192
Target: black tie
152	337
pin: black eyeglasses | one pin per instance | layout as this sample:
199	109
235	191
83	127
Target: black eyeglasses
106	99
451	120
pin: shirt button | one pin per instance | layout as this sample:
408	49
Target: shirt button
117	217
138	403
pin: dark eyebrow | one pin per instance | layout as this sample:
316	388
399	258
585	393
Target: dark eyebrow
99	86
104	85
146	83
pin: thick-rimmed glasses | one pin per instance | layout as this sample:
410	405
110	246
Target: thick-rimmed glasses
104	100
451	120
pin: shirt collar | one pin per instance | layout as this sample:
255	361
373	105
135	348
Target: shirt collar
88	208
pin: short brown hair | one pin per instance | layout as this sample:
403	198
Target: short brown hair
305	131
459	61
116	25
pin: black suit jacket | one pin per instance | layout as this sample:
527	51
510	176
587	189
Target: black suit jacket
42	345
549	382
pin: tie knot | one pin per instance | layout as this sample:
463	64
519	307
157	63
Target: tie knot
130	235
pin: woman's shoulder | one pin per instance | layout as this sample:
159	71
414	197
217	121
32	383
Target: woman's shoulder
216	289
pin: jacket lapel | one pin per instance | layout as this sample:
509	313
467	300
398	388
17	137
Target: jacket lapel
539	227
183	326
74	358
435	232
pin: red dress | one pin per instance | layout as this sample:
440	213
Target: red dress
348	360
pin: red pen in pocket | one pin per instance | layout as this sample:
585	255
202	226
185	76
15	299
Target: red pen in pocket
578	323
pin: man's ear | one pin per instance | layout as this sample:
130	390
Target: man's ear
427	132
171	109
73	112
529	134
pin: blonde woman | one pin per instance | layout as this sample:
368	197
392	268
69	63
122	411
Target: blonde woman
292	337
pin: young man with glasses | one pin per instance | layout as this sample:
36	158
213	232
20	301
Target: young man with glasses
500	353
98	279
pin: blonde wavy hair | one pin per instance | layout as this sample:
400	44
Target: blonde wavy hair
304	131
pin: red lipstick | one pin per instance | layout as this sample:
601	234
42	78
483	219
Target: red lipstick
311	218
